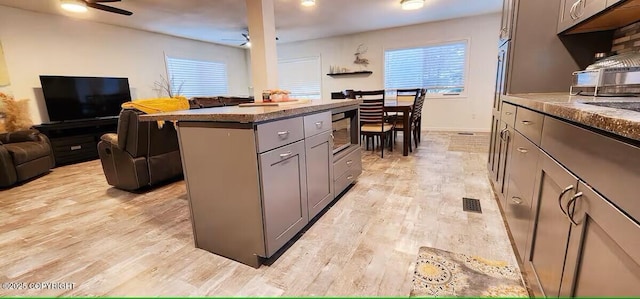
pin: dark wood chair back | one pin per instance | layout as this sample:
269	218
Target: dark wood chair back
372	106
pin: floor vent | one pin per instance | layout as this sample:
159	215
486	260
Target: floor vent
471	205
466	133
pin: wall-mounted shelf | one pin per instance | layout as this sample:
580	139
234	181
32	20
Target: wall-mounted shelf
361	73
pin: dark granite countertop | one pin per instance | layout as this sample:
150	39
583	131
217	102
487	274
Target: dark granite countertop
248	114
621	122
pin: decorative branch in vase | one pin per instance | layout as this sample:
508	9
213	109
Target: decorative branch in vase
166	86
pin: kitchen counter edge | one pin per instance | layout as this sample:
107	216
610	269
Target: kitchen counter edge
248	114
625	123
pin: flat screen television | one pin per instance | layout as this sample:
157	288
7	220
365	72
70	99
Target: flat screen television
78	98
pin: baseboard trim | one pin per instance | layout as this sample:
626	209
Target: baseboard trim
441	129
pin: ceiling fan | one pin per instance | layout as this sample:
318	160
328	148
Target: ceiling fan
247	40
81	6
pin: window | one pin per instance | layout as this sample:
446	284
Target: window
191	78
301	76
438	68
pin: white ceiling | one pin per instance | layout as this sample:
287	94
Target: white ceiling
223	21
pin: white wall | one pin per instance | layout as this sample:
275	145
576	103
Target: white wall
40	44
469	113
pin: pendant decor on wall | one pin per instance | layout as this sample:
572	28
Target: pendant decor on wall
4	73
362	49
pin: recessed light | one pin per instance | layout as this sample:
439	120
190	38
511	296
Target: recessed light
73	5
412	4
308	3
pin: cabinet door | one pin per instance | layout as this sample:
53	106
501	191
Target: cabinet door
319	156
573	12
554	186
522	174
508	9
501	75
603	257
284	194
506	134
494	145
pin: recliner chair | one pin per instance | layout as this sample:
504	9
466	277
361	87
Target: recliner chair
140	154
23	155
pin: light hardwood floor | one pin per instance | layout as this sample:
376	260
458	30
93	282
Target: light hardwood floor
70	226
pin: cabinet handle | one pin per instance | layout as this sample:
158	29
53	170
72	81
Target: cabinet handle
283	134
570	210
76	147
503	134
522	150
526	122
285	155
319	124
569	188
349	162
516	200
572	11
579	15
508	113
349	177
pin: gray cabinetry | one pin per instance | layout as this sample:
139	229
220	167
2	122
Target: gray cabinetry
319	170
253	187
603	259
284	194
346	168
518	202
507	20
505	137
572	12
550	235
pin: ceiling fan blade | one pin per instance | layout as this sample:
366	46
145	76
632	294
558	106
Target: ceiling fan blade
96	1
242	44
109	9
246	36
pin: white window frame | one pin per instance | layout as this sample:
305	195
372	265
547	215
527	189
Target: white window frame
318	71
461	95
222	90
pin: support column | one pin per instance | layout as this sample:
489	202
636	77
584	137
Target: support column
264	56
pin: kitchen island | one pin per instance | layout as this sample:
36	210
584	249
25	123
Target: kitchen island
566	170
256	176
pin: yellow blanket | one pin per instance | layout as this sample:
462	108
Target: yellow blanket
158	105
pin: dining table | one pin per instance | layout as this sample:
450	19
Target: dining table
405	108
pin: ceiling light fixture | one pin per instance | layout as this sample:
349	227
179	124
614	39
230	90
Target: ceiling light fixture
411	4
308	3
73	5
248	44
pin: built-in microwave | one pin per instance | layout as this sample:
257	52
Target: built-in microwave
345	129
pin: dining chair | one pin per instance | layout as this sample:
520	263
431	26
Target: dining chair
372	123
415	118
403	95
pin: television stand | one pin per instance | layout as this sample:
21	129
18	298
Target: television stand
77	141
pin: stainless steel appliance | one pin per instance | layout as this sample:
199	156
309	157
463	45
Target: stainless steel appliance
617	75
345	131
614	81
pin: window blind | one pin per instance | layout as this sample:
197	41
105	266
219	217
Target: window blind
438	68
301	76
192	78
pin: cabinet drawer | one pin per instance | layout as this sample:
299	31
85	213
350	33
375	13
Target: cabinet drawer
278	133
508	114
522	167
351	161
529	123
345	180
609	166
71	141
317	123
